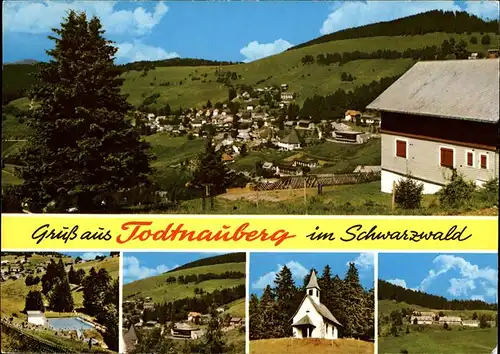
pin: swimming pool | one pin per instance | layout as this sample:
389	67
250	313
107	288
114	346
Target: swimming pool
69	323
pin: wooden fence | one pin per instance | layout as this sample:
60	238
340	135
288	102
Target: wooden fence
313	181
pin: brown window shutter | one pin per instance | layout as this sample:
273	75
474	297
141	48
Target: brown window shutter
484	161
470	159
446	157
401	148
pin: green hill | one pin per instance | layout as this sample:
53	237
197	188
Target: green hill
239	257
160	291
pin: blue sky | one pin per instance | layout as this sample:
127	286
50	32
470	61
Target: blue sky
236	31
140	265
264	266
453	276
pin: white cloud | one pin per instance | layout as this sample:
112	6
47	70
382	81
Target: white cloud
91	255
363	261
255	50
356	13
470	273
297	269
41	17
398	282
477	297
132	270
137	51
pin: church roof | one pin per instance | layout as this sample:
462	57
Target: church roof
313	281
322	310
304	321
292	138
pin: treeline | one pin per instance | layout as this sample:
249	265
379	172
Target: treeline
198	278
427	22
16	80
348	301
388	291
149	65
333	106
30	254
179	309
239	257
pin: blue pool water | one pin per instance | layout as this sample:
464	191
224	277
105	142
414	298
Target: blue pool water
69	323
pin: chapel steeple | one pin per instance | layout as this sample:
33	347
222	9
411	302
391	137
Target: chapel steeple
312	288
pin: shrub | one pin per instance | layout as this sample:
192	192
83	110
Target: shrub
445	326
408	193
457	193
486	39
403	351
489	192
473	40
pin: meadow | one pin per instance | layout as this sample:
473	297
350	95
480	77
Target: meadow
308	346
157	288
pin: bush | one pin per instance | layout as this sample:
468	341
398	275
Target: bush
473	40
489	192
403	351
457	193
408	193
445	326
486	39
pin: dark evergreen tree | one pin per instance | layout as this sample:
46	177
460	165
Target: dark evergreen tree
81	141
285	292
60	299
211	169
486	39
34	301
354	304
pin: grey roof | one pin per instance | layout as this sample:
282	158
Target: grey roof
461	89
292	138
304	321
313	281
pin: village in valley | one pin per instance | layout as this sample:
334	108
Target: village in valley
288	316
198	307
53	302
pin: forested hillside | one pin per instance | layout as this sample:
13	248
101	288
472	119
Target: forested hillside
388	291
427	22
225	258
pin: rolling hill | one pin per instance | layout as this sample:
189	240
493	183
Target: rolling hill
160	290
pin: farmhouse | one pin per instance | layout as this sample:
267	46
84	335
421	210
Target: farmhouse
349	136
305	124
470	323
351	115
287	96
194	316
305	162
37	318
450	320
313	319
439	116
427	320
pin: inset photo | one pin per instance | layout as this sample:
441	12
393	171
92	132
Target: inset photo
56	302
311	303
437	303
177	302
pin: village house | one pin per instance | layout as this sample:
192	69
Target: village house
493	53
424	320
305	162
313	319
186	331
288	170
235	321
450	320
291	142
305	124
351	115
194	317
220	309
37	318
470	323
287	96
284	87
440	116
349	136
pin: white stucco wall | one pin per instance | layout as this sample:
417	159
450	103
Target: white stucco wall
317	319
388	178
38	320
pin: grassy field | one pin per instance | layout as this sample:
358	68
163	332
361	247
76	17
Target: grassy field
287	68
160	291
237	308
470	341
308	346
236	339
13	292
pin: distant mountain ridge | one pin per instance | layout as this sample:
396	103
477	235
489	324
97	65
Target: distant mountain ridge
389	291
426	22
23	62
